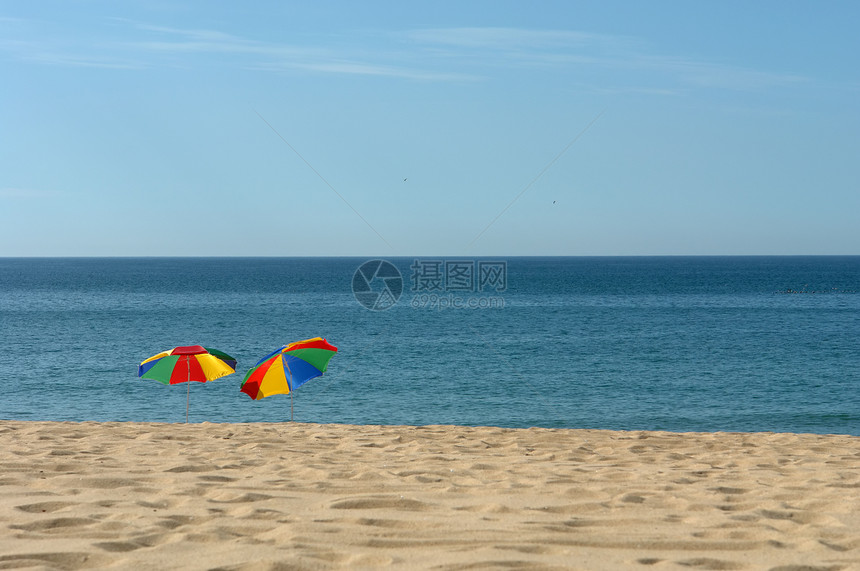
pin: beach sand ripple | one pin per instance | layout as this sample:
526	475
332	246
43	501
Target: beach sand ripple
268	497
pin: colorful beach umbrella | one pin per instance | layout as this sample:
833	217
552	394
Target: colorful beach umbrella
186	364
284	370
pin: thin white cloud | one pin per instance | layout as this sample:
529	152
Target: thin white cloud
618	63
195	40
712	75
346	67
283	57
509	38
44	56
55	51
562	49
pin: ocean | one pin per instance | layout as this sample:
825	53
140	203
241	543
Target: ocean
625	343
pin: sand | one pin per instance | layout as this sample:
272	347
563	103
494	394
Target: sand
309	496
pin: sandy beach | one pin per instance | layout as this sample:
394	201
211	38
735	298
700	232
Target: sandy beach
308	496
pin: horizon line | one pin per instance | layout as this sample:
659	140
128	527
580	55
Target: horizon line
405	256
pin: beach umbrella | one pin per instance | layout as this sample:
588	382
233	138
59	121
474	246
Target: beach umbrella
284	370
186	364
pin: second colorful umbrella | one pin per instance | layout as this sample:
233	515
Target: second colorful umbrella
286	369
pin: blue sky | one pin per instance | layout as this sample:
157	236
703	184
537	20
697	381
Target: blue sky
151	128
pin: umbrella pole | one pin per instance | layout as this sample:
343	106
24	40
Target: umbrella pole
290	386
188	390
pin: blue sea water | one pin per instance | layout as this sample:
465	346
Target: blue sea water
662	343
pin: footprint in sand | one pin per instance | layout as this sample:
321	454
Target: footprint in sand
709	563
60	560
380	502
44	507
61	524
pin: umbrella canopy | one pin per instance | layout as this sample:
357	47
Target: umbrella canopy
186	364
286	369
